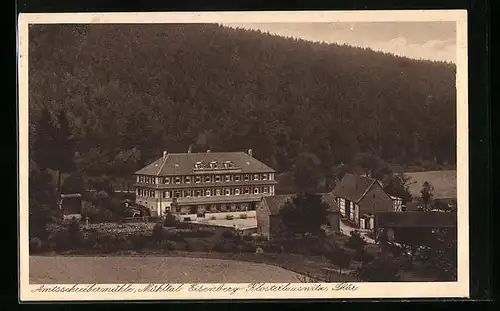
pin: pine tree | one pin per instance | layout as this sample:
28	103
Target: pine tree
64	148
44	141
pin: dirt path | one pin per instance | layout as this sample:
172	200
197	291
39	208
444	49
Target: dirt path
346	229
122	269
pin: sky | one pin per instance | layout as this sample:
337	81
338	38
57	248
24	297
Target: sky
419	40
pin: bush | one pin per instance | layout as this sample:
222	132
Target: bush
246	248
243	216
35	245
247	238
123	243
271	248
200	233
176	237
339	257
363	256
158	233
104	243
182	225
316	249
355	241
60	241
170	221
227	234
169	245
139	242
380	270
222	247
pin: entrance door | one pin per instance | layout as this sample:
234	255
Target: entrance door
347	209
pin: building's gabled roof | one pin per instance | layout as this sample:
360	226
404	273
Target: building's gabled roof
353	187
443	182
184	163
274	203
416	220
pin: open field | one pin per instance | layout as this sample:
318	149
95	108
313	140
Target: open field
152	269
444	183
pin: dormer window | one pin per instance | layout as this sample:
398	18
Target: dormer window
213	164
198	165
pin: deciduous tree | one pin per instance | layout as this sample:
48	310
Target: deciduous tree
304	213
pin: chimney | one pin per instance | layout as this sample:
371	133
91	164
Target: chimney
165	154
250	152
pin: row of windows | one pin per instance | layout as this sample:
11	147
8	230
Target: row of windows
205	192
205	179
146	193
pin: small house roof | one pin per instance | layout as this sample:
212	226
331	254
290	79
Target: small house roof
416	219
353	187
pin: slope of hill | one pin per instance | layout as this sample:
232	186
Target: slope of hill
156	87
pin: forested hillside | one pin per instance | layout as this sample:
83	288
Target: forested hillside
132	91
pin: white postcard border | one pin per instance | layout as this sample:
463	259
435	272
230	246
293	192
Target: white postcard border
29	292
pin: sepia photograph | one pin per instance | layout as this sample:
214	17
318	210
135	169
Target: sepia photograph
193	155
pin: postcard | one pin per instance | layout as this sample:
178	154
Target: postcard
243	155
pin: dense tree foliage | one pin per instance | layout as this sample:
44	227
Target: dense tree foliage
132	91
355	241
305	213
398	185
380	270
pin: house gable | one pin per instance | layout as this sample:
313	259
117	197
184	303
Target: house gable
375	200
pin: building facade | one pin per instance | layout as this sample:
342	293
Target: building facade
360	198
204	184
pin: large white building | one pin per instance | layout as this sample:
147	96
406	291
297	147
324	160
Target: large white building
204	183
